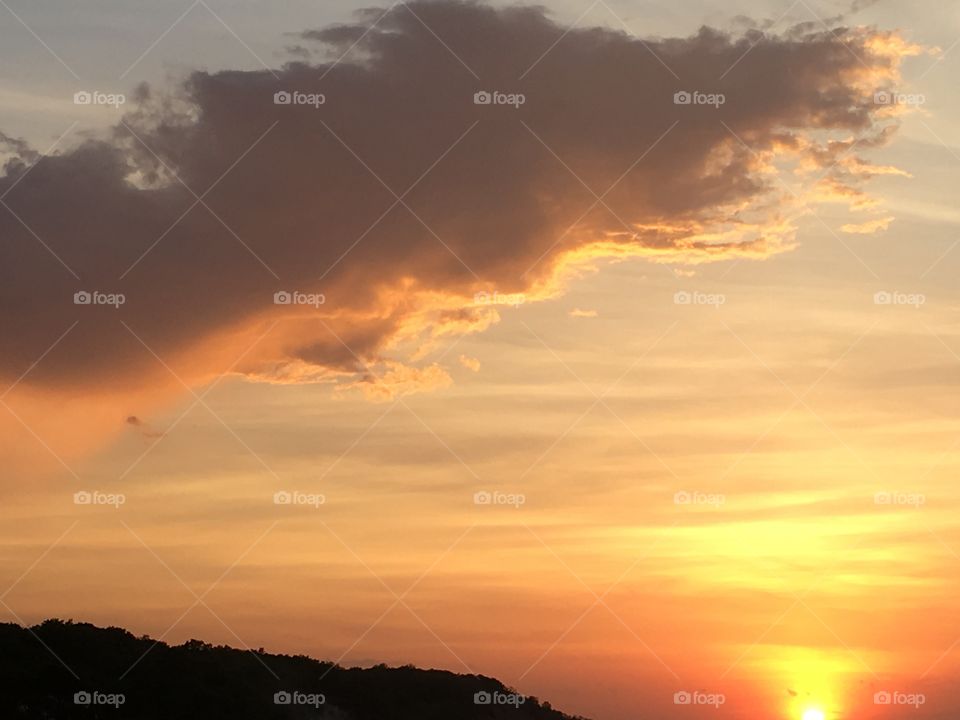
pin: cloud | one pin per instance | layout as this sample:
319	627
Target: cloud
386	189
18	148
470	363
578	313
869	227
145	430
398	380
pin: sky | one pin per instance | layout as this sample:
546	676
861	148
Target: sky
605	391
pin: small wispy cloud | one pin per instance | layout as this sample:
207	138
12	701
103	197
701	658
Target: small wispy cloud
144	429
470	363
868	228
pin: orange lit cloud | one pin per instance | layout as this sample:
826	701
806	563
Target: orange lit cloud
470	363
869	227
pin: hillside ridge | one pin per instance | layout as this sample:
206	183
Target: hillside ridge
61	669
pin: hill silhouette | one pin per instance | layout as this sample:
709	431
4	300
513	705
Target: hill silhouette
60	670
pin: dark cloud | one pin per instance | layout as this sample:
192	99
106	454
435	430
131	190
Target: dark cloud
208	199
21	151
144	428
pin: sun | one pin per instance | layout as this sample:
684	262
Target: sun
813	714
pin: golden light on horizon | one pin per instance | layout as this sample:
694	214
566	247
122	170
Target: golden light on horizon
813	714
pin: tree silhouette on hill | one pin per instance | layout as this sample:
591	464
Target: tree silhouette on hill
61	670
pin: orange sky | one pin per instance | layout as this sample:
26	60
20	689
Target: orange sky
708	446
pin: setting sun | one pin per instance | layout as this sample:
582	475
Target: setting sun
813	714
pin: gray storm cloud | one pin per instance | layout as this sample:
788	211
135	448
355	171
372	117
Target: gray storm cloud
385	186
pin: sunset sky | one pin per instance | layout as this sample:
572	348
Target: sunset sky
702	358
